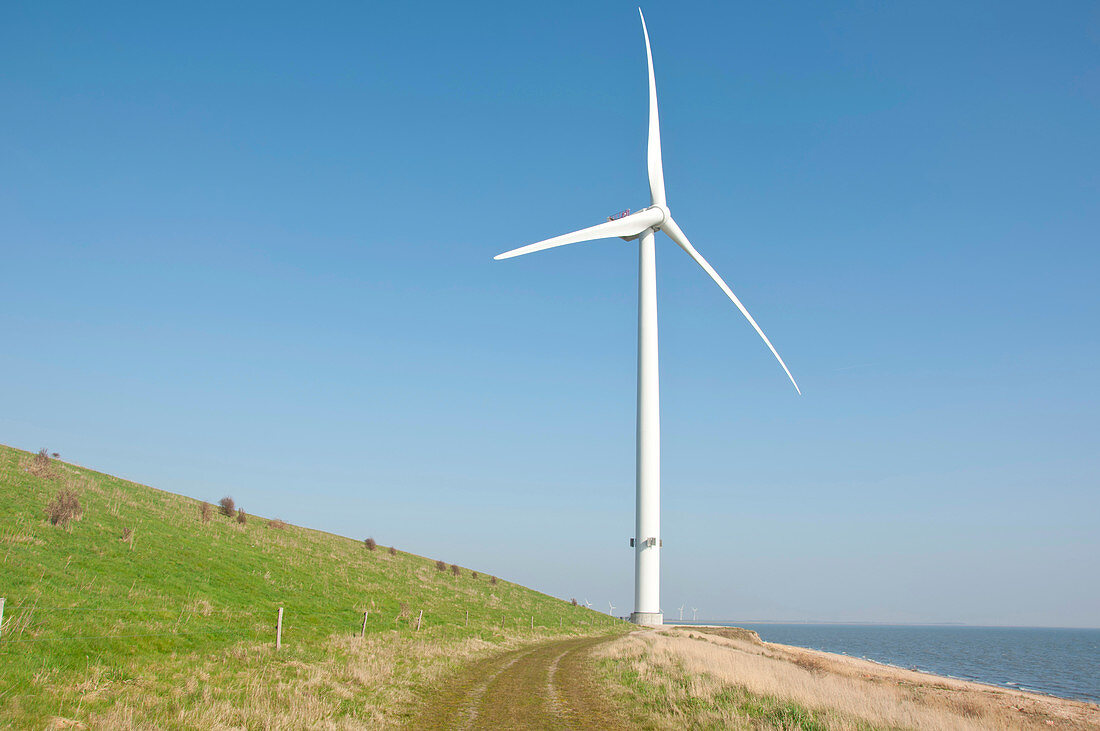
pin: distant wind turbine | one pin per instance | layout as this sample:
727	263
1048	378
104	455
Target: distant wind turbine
611	609
682	611
587	603
642	226
694	612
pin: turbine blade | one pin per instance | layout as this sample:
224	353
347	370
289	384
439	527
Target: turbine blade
653	153
630	225
677	235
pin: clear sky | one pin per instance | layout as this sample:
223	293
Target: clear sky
247	250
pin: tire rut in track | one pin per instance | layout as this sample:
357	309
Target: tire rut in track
546	686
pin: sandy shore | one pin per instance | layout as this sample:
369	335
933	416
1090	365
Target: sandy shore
844	691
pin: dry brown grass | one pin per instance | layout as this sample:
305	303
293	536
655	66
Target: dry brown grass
40	465
847	692
64	507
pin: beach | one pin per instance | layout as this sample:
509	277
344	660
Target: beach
722	676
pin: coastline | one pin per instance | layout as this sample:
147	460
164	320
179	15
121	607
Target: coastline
726	676
1056	661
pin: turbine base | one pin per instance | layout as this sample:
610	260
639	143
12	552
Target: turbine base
648	619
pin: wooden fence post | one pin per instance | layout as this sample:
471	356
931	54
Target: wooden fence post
279	630
502	621
418	618
1	616
467	617
363	632
532	622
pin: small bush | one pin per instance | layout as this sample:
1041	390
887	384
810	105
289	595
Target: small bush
55	455
205	512
64	507
574	602
393	551
473	574
227	506
370	544
276	524
493	580
41	466
440	566
456	570
242	517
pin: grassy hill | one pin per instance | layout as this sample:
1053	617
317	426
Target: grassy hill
139	612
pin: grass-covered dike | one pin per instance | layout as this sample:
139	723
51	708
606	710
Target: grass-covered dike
137	607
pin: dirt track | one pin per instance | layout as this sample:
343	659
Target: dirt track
544	686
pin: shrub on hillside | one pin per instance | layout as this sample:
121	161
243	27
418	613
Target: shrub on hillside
227	506
64	507
276	524
574	602
55	455
242	517
205	512
456	570
440	566
473	574
41	466
493	580
370	544
393	551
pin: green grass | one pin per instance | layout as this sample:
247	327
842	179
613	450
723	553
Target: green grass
92	625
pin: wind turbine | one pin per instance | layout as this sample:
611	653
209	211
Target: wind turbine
587	603
611	608
642	226
694	613
682	612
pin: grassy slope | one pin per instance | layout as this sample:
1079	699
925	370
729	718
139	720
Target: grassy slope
189	612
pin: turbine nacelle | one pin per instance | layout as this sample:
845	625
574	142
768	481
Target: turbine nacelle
629	226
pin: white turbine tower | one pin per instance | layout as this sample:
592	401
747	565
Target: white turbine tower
694	614
610	608
587	603
642	226
682	612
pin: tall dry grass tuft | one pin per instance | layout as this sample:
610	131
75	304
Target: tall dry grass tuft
276	524
456	570
40	465
242	517
205	512
65	507
393	551
227	507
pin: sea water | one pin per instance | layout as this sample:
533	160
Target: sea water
1061	662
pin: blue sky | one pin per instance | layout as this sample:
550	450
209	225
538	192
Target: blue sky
247	250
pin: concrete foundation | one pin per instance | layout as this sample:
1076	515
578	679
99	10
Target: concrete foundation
648	619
